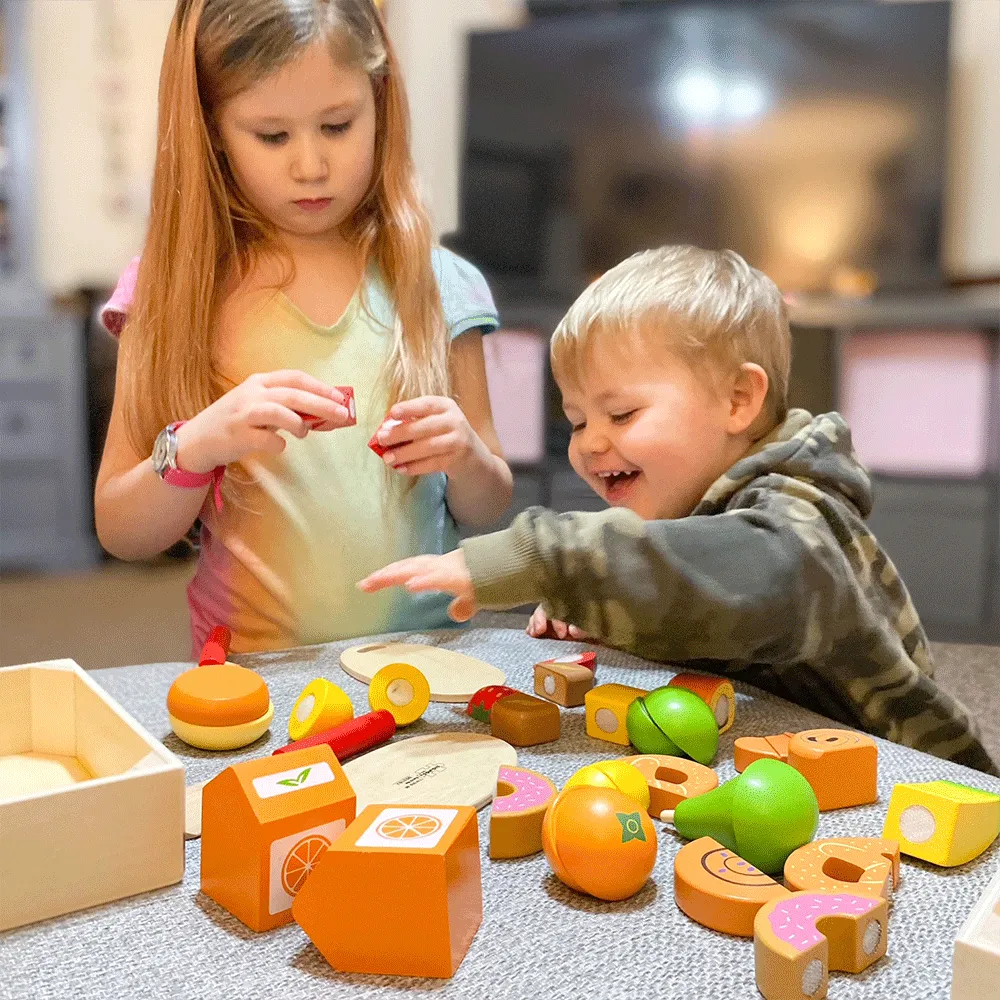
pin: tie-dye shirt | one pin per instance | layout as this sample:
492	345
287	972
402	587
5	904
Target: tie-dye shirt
279	566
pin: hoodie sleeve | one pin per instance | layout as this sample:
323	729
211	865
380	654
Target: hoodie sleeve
790	592
753	584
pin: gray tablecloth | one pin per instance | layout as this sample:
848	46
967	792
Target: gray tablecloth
538	939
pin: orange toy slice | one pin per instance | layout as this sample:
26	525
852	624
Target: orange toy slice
221	694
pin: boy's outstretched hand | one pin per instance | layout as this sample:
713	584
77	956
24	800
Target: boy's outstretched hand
447	573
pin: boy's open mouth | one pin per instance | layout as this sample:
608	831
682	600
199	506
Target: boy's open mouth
616	483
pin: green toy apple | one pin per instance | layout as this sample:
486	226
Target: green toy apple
673	721
763	815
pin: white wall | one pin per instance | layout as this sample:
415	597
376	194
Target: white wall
79	239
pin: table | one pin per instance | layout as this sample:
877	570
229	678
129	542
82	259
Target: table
538	938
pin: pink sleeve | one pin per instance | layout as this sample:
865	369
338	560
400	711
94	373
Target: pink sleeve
114	312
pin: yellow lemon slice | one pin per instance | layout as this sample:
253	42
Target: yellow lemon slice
321	706
402	690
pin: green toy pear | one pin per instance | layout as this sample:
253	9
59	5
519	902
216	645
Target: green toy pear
762	815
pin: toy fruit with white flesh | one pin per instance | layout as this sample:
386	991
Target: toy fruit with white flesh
219	705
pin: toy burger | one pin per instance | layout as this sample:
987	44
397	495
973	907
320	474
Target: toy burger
219	705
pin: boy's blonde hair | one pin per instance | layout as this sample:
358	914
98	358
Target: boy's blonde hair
709	307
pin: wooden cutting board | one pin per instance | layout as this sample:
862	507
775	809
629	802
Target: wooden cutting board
453	677
440	769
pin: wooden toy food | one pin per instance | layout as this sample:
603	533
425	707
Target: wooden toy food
799	938
716	692
448	769
518	810
618	774
321	706
599	842
376	445
762	815
352	411
565	681
607	706
976	962
671	779
349	738
942	822
481	704
840	764
718	889
265	824
747	749
673	721
219	706
451	676
863	865
402	690
399	893
524	721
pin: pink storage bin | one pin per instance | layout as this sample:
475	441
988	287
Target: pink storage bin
515	374
918	402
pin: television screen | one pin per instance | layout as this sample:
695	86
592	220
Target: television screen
807	136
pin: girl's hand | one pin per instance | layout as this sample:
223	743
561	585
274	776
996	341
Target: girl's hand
540	626
447	573
247	419
435	436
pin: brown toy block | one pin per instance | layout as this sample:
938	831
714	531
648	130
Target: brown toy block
518	810
564	682
524	721
718	889
399	893
265	824
607	706
841	766
799	938
865	865
671	779
747	749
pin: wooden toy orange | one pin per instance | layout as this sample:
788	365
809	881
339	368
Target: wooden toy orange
840	764
716	692
607	706
864	865
598	841
718	889
518	810
617	774
400	893
747	749
799	938
264	826
671	779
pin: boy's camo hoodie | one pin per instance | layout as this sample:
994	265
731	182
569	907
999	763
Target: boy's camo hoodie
774	579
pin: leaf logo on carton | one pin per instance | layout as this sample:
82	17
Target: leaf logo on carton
297	780
286	782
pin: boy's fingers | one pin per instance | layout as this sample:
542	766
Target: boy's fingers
396	574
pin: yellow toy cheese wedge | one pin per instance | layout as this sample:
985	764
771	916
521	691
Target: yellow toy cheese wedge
942	822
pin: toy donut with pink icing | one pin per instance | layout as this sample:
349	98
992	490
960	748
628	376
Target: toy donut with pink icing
799	938
518	810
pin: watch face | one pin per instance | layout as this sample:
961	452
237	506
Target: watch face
160	452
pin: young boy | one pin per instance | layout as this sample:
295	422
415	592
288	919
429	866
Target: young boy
735	541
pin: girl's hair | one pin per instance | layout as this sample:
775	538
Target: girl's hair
710	307
202	231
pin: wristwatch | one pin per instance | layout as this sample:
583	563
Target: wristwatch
164	459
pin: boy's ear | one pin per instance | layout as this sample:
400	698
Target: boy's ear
746	397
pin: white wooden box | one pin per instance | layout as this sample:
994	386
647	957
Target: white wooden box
91	805
976	963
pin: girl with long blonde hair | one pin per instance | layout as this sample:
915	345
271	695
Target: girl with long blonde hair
287	305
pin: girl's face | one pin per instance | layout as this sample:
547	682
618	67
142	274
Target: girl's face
301	143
